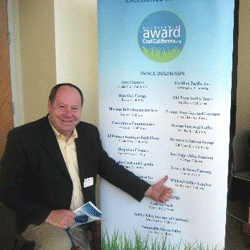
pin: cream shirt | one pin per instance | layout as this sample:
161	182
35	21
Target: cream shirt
68	149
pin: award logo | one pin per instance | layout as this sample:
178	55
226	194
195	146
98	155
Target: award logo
162	36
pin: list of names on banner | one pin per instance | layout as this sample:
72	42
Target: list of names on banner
162	124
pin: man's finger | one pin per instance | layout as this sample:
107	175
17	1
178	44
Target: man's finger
164	179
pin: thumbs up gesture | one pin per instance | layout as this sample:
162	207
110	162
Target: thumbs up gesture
159	192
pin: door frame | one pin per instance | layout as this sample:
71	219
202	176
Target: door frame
15	62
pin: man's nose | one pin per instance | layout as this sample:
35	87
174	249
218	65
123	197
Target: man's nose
67	112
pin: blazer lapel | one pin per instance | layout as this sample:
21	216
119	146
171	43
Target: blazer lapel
52	147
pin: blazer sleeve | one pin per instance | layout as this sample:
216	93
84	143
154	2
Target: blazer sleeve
13	179
116	174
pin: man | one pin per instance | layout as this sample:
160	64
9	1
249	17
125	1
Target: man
49	169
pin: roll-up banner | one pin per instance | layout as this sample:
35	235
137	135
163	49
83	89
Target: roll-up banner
165	77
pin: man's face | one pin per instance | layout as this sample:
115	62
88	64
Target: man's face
65	112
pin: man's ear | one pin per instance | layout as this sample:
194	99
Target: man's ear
49	106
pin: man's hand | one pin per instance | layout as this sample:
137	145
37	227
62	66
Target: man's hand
159	191
61	218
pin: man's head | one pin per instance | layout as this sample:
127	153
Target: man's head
54	90
64	107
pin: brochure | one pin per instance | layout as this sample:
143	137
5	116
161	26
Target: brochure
86	214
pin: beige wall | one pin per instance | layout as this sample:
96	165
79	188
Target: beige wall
58	43
37	45
243	82
76	50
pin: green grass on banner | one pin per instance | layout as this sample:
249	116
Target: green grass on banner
120	241
161	56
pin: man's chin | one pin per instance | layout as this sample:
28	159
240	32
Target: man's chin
65	130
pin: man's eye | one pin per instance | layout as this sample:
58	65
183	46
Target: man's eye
62	107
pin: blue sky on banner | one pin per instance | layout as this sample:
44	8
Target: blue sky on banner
203	41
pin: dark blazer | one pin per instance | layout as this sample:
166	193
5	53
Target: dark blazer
35	180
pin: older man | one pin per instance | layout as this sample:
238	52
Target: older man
46	164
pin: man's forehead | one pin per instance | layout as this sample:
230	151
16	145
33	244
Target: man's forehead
66	93
64	89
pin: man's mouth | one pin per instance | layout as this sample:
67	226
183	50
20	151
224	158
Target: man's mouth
66	121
